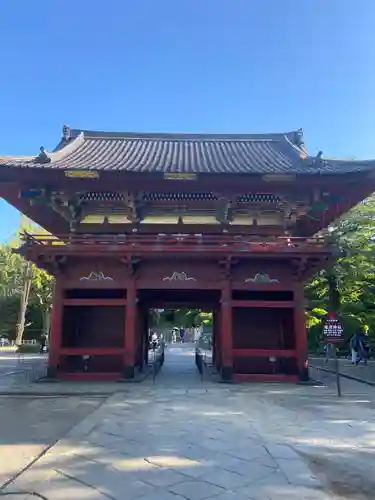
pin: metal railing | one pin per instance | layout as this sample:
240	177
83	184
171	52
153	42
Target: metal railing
203	362
157	361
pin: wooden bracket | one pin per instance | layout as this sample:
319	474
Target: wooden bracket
134	204
53	264
71	209
131	264
299	267
224	210
225	267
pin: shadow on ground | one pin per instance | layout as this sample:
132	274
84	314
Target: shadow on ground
30	424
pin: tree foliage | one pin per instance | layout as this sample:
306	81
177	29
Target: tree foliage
347	287
186	318
12	281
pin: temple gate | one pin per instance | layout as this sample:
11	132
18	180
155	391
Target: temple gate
228	223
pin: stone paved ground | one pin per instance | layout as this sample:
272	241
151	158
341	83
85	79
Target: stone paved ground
28	425
18	377
10	363
15	385
186	439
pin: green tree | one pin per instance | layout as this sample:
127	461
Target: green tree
25	291
347	286
11	268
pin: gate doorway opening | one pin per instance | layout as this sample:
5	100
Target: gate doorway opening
178	318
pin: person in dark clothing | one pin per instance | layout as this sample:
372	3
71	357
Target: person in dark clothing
182	335
42	344
363	348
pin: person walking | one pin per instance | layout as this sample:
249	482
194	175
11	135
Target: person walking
42	344
353	343
366	346
182	335
154	339
174	335
197	333
362	349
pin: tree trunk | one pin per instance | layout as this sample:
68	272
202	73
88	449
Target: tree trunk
27	278
46	320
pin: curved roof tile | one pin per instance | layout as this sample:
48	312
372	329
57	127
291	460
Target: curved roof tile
186	153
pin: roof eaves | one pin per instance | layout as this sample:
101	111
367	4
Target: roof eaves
31	161
351	162
326	166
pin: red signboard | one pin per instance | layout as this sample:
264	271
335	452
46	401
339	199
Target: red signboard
333	331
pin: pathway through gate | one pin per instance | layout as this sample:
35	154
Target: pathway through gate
179	367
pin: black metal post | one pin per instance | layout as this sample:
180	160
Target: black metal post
337	370
154	362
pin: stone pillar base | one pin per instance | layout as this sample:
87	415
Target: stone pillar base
51	372
226	373
128	372
304	374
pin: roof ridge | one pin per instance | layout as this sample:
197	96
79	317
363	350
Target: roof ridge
178	136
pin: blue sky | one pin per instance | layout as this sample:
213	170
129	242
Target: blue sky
187	65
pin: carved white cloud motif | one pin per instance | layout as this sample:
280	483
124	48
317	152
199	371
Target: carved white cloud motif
94	276
176	276
262	278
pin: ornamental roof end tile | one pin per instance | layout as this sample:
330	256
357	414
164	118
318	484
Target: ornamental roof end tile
258	154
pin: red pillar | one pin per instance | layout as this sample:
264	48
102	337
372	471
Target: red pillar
226	332
130	330
55	335
214	337
301	334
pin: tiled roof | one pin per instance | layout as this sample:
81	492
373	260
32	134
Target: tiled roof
185	153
